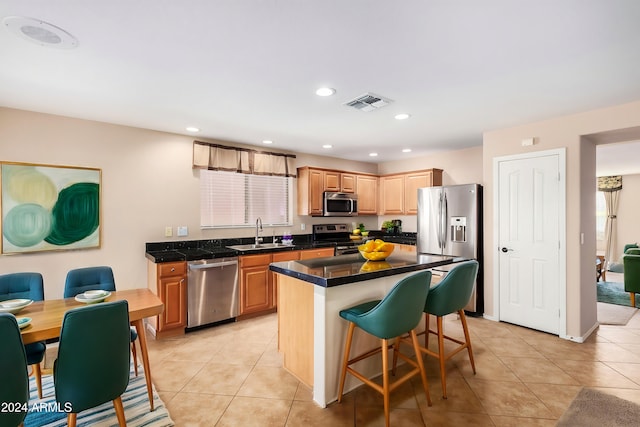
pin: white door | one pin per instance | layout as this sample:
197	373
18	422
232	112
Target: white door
529	218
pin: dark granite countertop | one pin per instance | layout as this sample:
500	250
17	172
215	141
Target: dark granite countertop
341	270
191	250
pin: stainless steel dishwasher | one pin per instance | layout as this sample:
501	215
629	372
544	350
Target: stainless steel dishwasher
212	294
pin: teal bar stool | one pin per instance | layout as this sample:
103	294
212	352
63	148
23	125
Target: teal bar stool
14	380
451	295
397	314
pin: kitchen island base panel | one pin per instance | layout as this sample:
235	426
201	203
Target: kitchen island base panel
312	334
295	327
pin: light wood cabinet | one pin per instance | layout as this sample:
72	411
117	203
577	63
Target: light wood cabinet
310	189
169	282
316	253
332	181
347	183
256	292
258	284
367	191
313	182
395	194
399	193
392	195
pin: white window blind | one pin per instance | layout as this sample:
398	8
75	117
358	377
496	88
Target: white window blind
230	199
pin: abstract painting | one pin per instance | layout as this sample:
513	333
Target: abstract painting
47	207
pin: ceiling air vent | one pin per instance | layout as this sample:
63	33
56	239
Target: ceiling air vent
368	102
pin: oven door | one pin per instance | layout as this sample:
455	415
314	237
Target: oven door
340	204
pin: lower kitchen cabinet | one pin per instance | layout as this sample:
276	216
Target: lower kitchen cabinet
258	285
169	282
316	253
256	292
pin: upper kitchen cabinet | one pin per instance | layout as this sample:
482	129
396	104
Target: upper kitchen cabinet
392	195
399	193
310	189
367	191
339	181
312	182
386	195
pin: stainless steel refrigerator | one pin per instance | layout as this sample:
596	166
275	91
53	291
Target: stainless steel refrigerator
450	223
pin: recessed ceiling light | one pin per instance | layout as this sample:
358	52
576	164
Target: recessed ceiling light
192	129
402	116
406	150
373	154
327	146
267	141
325	91
40	32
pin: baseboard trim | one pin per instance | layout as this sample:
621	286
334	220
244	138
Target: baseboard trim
582	338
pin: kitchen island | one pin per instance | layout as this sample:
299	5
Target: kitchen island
311	293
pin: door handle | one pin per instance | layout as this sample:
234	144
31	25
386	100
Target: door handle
505	250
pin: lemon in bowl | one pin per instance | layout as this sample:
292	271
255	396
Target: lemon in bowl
376	250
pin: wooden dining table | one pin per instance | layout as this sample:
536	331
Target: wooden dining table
46	320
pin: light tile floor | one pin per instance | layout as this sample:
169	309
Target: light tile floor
232	375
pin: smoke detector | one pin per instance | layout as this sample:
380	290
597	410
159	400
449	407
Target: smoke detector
40	32
368	102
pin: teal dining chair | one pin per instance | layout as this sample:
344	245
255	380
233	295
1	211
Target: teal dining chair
398	313
27	286
93	361
85	279
451	295
14	379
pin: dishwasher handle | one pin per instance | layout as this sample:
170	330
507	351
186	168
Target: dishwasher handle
213	265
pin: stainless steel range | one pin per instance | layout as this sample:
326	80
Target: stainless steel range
335	235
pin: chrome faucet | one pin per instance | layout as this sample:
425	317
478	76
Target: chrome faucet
258	230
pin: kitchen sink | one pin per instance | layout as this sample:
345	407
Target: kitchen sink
254	247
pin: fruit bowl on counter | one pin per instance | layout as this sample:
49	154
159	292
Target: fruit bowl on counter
376	250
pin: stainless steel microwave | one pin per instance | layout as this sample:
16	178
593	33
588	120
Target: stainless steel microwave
340	204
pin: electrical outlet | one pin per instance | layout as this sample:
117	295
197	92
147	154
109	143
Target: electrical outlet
183	231
168	231
303	226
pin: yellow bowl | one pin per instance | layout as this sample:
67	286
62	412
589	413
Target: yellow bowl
376	256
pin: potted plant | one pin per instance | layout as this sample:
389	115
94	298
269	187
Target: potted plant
387	226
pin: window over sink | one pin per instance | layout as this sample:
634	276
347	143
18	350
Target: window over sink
230	199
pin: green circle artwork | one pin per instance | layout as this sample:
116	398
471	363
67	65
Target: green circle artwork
27	224
75	214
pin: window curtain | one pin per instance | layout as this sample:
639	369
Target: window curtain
242	160
611	186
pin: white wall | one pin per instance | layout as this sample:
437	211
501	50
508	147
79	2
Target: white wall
574	133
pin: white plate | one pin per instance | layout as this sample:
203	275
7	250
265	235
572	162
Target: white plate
14	305
23	322
84	299
94	294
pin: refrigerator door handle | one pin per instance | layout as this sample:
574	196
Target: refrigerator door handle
445	217
439	228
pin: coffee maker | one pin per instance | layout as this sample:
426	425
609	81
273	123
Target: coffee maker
397	226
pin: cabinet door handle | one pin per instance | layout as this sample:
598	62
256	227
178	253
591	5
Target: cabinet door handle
173	269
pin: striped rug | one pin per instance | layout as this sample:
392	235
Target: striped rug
135	401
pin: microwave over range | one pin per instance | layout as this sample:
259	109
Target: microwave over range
339	204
